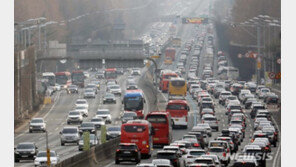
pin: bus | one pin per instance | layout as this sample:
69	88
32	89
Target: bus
178	110
63	79
50	77
78	78
133	100
164	80
110	73
170	52
161	123
177	87
139	132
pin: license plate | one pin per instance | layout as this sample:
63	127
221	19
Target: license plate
156	139
24	155
126	152
134	140
177	119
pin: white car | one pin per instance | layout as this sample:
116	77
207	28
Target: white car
205	126
105	114
159	162
37	124
83	110
263	92
242	93
98	122
191	138
41	158
223	155
191	155
74	117
89	93
81	102
114	89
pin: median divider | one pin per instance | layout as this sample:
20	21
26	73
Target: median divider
93	157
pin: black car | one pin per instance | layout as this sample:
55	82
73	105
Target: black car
127	152
25	151
87	126
170	155
255	109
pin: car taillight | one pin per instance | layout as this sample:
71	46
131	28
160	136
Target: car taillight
231	142
216	121
252	140
147	146
136	150
228	150
196	145
266	148
117	150
186	119
208	153
224	154
175	160
275	133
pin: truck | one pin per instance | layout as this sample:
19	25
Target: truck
170	53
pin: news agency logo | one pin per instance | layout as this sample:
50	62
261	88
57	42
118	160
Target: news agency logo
252	156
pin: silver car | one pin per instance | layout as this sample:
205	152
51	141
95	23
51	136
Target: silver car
69	135
211	120
37	124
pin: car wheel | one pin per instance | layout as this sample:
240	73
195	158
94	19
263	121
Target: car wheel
117	162
16	160
62	144
68	123
30	131
274	144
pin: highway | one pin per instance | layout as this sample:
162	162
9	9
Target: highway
56	114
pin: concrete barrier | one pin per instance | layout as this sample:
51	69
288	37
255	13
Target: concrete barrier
94	157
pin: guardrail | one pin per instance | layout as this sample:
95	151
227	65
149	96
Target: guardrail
94	157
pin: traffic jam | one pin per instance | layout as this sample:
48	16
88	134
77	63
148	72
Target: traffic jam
207	117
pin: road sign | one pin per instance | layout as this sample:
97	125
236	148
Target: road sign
271	75
258	65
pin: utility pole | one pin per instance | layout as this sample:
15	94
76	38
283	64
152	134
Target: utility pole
259	55
47	150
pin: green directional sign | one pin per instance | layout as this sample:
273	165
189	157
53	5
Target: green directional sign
86	141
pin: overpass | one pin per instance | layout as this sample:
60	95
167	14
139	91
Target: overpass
118	54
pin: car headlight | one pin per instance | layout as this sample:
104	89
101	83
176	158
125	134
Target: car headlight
54	161
16	152
63	137
31	127
32	152
36	162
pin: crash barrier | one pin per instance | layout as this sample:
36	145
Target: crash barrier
94	157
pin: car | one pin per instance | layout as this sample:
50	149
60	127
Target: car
136	72
249	102
127	152
272	134
72	89
41	158
92	86
204	126
93	140
146	165
259	87
69	134
74	117
127	115
113	131
114	89
105	114
207	111
170	155
242	93
25	151
246	97
81	102
173	148
191	138
83	110
223	96
211	120
162	162
233	146
109	98
87	126
37	124
97	83
256	150
245	160
202	161
132	87
214	157
89	93
230	98
98	122
221	153
263	92
255	108
201	137
191	155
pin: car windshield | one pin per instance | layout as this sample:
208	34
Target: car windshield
25	146
43	154
232	98
176	107
69	130
166	155
129	114
217	149
74	113
203	161
103	112
88	90
96	120
197	153
37	121
87	125
114	87
80	107
128	147
210	119
80	102
109	95
72	86
113	129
